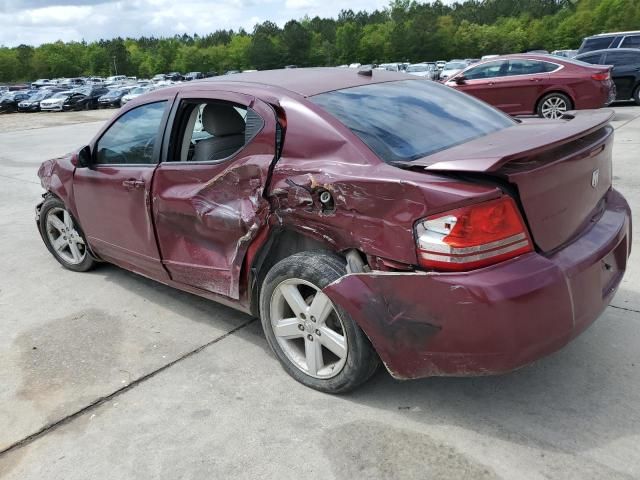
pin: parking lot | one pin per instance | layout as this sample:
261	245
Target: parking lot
110	375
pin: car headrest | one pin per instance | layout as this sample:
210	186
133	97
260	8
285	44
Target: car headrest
221	120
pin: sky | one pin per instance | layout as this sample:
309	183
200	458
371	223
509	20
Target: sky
34	22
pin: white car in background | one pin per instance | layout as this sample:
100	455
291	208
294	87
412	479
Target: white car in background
452	68
54	103
135	93
41	82
425	70
390	67
95	81
115	80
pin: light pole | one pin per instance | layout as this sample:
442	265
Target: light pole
115	67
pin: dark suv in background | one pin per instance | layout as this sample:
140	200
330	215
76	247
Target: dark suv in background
84	98
610	40
625	72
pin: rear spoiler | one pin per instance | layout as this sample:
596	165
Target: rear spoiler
529	138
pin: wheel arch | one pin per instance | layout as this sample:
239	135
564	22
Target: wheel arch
281	243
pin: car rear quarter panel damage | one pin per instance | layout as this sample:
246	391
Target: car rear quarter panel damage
494	319
373	205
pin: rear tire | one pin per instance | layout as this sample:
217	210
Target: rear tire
316	341
553	105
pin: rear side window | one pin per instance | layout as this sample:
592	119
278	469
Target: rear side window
632	41
596	43
593	58
549	67
410	119
530	67
622	58
212	131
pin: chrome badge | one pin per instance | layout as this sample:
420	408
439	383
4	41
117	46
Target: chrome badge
595	176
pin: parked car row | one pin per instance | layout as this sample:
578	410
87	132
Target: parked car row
604	69
56	98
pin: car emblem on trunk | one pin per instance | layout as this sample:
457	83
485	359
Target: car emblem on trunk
595	176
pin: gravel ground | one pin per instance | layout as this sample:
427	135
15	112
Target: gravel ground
11	122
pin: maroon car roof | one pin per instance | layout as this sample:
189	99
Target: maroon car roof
306	81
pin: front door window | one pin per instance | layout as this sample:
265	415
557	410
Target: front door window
131	139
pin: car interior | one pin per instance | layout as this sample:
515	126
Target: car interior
214	131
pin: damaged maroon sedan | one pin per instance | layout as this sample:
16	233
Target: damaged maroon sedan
363	218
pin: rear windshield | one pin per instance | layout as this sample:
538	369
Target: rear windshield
577	61
410	119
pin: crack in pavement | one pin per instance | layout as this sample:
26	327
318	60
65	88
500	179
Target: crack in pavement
101	400
20	179
625	309
626	123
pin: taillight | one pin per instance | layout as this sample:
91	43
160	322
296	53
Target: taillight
472	237
601	76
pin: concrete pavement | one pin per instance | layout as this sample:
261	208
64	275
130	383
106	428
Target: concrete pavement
110	375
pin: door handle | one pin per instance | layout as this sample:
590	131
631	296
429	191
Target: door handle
132	183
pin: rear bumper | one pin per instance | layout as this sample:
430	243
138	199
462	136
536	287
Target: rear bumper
492	320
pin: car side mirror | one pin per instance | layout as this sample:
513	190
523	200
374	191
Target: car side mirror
84	158
460	79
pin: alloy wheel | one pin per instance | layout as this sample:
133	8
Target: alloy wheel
308	328
554	107
65	240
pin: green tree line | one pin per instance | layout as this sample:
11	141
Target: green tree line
407	30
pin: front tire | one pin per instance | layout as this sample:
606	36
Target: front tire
636	95
315	340
553	105
63	236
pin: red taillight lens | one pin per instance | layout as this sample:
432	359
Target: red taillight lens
602	76
472	237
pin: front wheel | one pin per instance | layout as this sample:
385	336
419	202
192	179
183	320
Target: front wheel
553	105
315	340
636	95
63	236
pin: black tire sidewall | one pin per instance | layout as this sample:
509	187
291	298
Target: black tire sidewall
320	269
636	95
53	202
546	97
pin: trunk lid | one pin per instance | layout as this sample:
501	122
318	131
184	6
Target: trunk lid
561	170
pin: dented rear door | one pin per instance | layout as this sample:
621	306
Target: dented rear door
207	212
